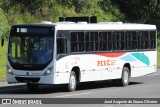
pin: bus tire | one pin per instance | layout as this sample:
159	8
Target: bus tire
32	87
124	81
72	82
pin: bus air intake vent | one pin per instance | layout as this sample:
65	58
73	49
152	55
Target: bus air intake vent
27	80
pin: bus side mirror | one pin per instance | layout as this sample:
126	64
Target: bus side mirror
2	42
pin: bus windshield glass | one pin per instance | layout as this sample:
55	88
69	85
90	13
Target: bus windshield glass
30	50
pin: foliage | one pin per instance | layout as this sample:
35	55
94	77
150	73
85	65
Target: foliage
158	39
4	26
3	56
33	11
141	11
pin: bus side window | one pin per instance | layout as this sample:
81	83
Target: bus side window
152	39
77	41
61	46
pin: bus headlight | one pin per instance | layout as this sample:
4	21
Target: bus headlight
48	71
9	71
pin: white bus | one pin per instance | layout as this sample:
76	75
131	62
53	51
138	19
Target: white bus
71	53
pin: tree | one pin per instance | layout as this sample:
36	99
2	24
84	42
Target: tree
141	11
4	26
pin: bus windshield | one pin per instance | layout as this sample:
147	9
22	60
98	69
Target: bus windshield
30	50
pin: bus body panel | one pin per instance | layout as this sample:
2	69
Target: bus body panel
110	67
62	72
145	66
106	70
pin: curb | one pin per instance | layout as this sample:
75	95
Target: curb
3	81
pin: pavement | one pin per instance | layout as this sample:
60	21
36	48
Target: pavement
141	87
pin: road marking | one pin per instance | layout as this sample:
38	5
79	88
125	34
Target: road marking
69	95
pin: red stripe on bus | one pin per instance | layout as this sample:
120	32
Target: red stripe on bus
112	54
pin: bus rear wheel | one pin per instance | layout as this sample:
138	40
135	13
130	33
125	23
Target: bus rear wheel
72	82
124	81
32	87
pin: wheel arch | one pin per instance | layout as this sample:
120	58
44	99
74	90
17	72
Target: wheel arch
76	69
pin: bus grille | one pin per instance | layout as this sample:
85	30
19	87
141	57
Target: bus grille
27	80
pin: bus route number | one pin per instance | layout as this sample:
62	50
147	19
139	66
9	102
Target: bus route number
22	30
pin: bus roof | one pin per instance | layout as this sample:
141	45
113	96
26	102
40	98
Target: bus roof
95	26
105	26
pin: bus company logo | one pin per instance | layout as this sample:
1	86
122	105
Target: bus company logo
6	101
106	62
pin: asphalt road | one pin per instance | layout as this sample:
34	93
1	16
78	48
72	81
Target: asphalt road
141	87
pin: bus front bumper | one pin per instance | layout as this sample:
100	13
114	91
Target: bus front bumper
30	79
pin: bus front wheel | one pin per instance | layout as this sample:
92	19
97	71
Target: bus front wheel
72	82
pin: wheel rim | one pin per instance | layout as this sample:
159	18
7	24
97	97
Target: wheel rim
72	82
126	76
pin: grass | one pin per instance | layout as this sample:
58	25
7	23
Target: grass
3	51
158	58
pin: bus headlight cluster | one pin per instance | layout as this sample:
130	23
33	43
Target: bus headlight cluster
9	71
48	71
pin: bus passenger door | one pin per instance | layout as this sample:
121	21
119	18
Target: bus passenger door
62	60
